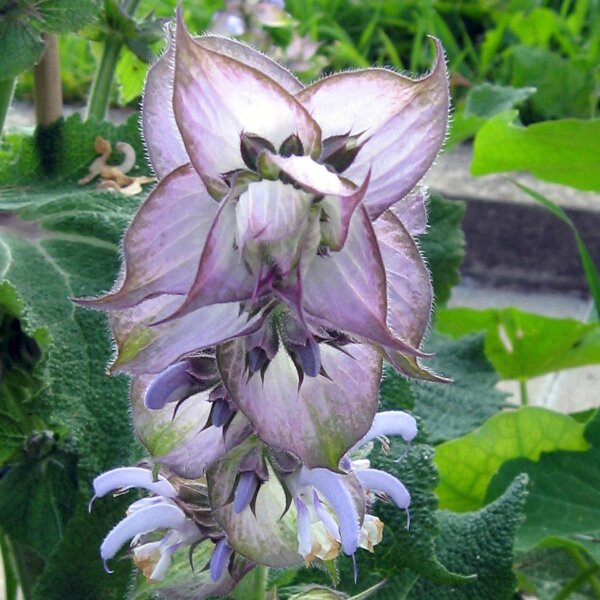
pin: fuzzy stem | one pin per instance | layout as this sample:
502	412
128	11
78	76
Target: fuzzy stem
11	581
100	93
253	586
7	87
524	394
47	84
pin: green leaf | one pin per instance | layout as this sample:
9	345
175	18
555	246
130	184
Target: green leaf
21	47
523	345
565	88
131	74
564	502
487	100
482	543
75	569
20	382
62	241
481	103
536	27
566	151
403	551
444	245
37	499
454	409
467	465
62	16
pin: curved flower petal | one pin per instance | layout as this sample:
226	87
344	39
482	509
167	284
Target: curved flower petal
326	518
172	385
412	211
216	98
251	58
143	348
346	290
380	481
191	458
267	535
402	124
311	175
304	535
147	519
340	196
409	294
128	477
222	275
319	420
334	487
270	211
161	134
164	242
220	559
194	456
163	430
391	422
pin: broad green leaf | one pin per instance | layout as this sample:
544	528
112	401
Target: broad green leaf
462	127
21	46
402	550
131	74
450	410
467	465
444	245
564	499
37	499
523	345
487	99
395	391
62	241
62	16
20	381
536	27
483	102
479	543
565	151
565	88
75	569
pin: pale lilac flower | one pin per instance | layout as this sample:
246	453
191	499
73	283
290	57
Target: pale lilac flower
278	512
145	516
265	279
283	217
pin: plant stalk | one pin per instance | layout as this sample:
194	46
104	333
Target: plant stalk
7	87
29	566
11	582
253	586
101	86
524	393
583	564
47	84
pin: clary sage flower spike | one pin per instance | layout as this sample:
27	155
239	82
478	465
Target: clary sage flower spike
265	279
